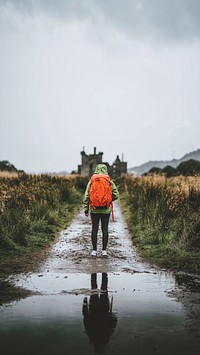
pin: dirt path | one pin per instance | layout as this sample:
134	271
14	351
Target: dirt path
72	253
153	311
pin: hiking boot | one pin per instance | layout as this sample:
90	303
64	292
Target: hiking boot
94	253
104	253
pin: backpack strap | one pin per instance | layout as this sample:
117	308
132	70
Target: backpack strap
112	211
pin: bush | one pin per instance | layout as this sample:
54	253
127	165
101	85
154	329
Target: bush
189	168
169	171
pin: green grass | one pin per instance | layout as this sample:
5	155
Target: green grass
33	210
163	216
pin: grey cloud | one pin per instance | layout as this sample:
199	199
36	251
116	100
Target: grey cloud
155	19
62	8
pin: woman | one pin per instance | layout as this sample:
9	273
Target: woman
99	213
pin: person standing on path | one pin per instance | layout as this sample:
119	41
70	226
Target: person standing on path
102	211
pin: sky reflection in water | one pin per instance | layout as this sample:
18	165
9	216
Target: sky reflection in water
109	313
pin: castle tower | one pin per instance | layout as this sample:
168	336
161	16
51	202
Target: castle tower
89	163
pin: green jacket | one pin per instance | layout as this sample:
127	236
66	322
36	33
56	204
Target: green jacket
100	169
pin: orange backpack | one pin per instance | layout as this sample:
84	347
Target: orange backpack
100	191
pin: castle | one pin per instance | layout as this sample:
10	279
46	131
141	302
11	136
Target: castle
89	163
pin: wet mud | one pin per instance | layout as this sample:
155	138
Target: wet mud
72	253
117	304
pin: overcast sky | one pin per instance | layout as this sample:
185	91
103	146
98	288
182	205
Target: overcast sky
121	75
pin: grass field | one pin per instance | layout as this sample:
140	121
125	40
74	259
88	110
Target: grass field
34	207
163	216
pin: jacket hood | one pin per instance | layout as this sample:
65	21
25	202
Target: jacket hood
101	169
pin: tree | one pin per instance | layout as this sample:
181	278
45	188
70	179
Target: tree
6	166
169	171
189	168
154	170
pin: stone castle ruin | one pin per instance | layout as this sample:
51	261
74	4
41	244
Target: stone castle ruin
89	163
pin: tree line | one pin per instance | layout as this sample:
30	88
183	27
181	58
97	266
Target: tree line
6	166
189	167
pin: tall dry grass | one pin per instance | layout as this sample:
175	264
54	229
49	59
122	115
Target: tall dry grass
35	205
164	217
8	174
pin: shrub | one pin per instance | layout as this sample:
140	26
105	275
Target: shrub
189	168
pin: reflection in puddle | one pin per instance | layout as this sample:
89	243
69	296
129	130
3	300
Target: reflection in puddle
111	313
99	320
188	282
9	292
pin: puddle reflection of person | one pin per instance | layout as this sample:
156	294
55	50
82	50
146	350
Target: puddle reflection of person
99	321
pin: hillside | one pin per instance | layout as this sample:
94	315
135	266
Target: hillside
141	169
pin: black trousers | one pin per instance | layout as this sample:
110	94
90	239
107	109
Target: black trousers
104	218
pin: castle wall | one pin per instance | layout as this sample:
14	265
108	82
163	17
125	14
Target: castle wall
89	163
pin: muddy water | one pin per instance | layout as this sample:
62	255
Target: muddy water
112	305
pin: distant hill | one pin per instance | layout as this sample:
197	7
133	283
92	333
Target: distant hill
144	168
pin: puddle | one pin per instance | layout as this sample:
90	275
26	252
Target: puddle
77	304
113	313
10	292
